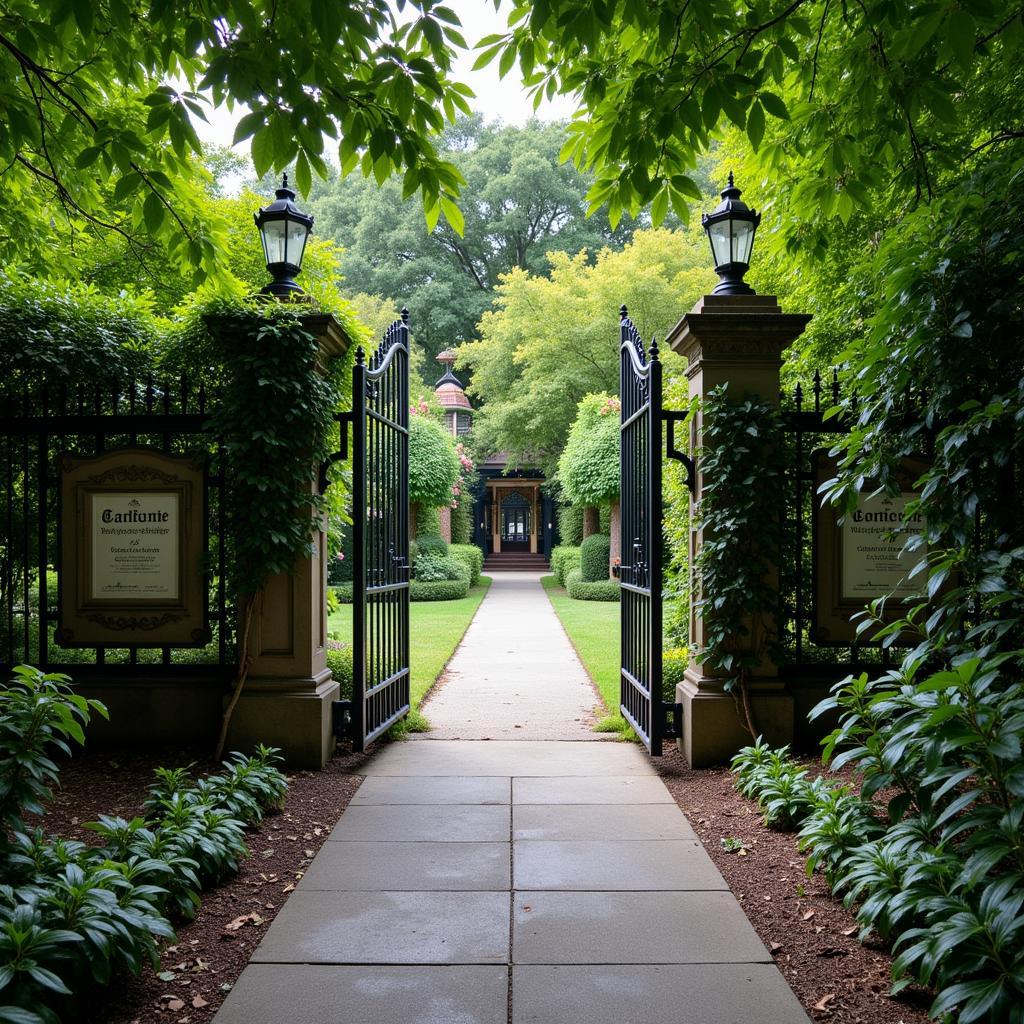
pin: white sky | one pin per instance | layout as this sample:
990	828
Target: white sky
503	100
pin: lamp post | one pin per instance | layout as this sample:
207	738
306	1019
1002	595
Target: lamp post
283	229
730	228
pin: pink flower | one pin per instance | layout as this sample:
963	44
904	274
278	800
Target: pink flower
341	556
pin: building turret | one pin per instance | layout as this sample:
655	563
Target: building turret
458	412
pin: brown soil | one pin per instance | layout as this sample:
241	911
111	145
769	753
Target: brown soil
811	935
206	959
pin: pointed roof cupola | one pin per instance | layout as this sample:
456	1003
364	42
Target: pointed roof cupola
448	389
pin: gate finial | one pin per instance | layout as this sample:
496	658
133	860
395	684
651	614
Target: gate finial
360	356
623	312
654	347
405	315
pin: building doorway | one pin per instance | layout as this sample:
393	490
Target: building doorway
516	523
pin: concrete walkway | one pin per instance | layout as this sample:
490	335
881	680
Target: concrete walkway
515	674
498	882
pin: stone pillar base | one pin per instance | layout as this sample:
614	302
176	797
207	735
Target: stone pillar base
293	714
712	729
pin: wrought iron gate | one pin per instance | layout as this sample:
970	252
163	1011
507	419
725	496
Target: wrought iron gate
380	536
640	571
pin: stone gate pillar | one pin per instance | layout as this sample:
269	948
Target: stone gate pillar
288	696
739	340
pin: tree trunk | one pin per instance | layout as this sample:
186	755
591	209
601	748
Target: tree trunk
414	515
615	550
591	520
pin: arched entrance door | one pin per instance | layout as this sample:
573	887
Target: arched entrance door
516	524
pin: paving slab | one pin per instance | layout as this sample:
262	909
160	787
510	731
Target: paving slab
409	867
599	821
304	994
525	683
632	928
606	865
389	928
508	758
688	994
383	789
629	789
446	823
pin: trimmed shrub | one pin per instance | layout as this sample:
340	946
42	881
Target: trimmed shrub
470	555
432	544
582	590
594	554
570	525
564	559
428	521
433	464
343	592
673	664
439	590
339	661
433	568
462	521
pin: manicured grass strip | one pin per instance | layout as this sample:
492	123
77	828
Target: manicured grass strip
593	628
435	629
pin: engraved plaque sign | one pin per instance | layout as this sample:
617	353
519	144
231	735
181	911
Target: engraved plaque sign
861	559
132	542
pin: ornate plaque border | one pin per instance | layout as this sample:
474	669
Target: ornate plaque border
831	612
131	622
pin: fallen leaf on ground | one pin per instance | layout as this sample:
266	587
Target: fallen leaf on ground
850	931
309	853
809	914
241	922
823	1003
198	1002
774	947
176	1004
289	887
167	975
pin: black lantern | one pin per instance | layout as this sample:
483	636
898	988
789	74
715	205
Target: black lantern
283	229
730	229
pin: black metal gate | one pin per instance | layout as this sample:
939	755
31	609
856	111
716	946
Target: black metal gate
380	548
640	571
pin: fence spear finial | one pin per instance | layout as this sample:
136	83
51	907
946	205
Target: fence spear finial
623	312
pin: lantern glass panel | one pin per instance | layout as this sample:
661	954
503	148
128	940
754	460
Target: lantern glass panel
275	239
296	242
743	240
720	234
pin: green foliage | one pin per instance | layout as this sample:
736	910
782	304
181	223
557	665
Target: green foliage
97	139
674	661
71	915
462	523
548	341
743	467
584	590
594	555
520	203
40	716
439	590
588	468
570	525
918	90
428	521
430	568
471	556
563	560
431	544
433	464
339	661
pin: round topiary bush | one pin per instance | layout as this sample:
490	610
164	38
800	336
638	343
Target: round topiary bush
433	463
581	590
432	544
433	568
570	525
439	590
594	558
563	560
472	557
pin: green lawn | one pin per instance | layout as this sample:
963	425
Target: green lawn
435	627
593	628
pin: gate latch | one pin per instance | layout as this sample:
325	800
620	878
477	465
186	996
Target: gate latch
341	719
671	720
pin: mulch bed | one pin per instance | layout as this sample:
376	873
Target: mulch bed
812	937
197	971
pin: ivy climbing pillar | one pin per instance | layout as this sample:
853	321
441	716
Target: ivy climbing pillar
736	340
287	699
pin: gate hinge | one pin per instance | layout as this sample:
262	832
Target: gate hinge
671	720
341	719
671	418
343	419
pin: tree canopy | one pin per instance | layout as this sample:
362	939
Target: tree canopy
588	468
549	341
519	203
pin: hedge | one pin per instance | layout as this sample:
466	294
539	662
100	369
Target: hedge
673	664
594	554
441	590
570	525
339	661
472	556
432	544
582	590
563	559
